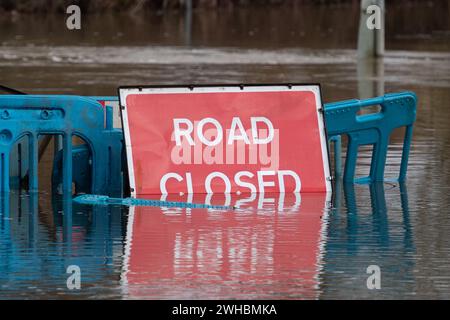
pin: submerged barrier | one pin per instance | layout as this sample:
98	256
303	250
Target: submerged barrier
64	117
105	200
343	118
97	167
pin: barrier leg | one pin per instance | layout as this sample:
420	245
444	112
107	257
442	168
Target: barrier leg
337	143
5	171
67	164
350	161
405	153
100	167
379	159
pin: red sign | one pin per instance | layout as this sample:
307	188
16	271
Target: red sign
225	139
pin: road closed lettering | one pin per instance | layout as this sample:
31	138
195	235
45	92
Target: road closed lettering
225	139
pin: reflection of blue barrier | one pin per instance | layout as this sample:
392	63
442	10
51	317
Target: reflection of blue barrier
359	235
342	118
33	239
67	116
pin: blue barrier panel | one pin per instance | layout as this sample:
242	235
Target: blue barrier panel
81	171
68	116
343	118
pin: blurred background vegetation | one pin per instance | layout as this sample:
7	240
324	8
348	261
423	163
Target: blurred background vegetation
138	6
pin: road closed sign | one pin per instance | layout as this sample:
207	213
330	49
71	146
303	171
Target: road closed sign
232	139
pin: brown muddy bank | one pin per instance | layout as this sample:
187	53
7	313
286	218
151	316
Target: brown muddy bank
142	6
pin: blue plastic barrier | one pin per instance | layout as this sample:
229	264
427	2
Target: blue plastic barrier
342	118
68	116
81	171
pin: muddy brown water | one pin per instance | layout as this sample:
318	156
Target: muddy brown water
302	249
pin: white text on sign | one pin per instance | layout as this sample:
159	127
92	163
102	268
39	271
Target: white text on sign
206	141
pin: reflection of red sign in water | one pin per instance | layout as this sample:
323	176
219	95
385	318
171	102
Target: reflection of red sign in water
269	248
225	139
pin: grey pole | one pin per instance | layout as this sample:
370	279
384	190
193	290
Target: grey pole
188	22
371	41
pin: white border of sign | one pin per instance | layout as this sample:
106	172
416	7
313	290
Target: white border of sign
125	91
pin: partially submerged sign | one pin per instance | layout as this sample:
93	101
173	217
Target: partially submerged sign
236	139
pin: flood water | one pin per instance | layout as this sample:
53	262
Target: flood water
273	246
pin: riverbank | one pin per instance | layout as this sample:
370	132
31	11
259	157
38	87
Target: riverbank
144	6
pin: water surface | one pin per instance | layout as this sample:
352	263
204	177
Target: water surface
304	248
